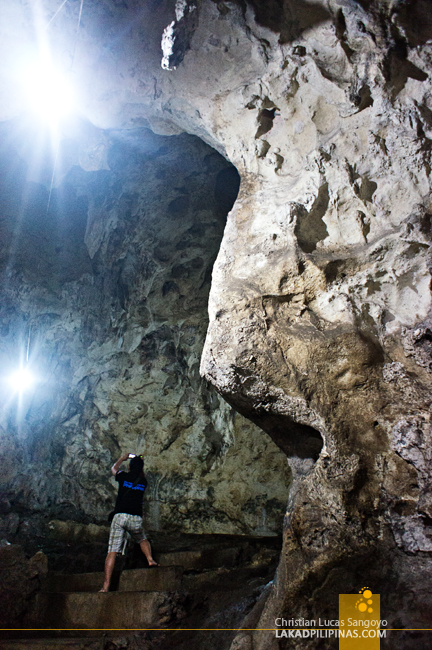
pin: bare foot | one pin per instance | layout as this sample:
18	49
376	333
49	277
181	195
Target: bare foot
103	591
152	563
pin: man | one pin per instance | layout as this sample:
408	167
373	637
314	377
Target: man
127	514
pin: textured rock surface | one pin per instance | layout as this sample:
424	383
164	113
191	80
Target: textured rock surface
109	290
320	303
20	581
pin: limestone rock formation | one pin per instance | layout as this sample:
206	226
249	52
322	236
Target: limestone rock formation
319	308
108	290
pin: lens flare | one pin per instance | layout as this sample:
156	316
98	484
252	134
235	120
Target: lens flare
48	92
21	380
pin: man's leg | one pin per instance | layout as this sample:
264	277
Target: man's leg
109	568
146	549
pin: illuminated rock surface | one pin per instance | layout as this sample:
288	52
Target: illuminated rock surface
319	307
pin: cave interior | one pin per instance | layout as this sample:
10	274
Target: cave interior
215	226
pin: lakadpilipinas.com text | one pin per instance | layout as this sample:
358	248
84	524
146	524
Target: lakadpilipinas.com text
302	628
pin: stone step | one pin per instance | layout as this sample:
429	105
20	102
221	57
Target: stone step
206	558
166	578
114	610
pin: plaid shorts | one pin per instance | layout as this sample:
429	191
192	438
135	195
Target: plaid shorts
121	525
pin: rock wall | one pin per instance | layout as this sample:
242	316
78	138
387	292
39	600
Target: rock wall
108	292
320	303
20	579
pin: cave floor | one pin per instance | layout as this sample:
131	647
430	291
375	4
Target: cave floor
198	597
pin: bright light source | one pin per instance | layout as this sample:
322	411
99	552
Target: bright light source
48	92
21	380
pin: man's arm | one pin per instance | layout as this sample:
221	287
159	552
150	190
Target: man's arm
115	468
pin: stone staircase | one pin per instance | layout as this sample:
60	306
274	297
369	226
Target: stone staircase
139	598
163	578
198	588
142	599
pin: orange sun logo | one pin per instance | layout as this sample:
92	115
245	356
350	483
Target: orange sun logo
365	603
